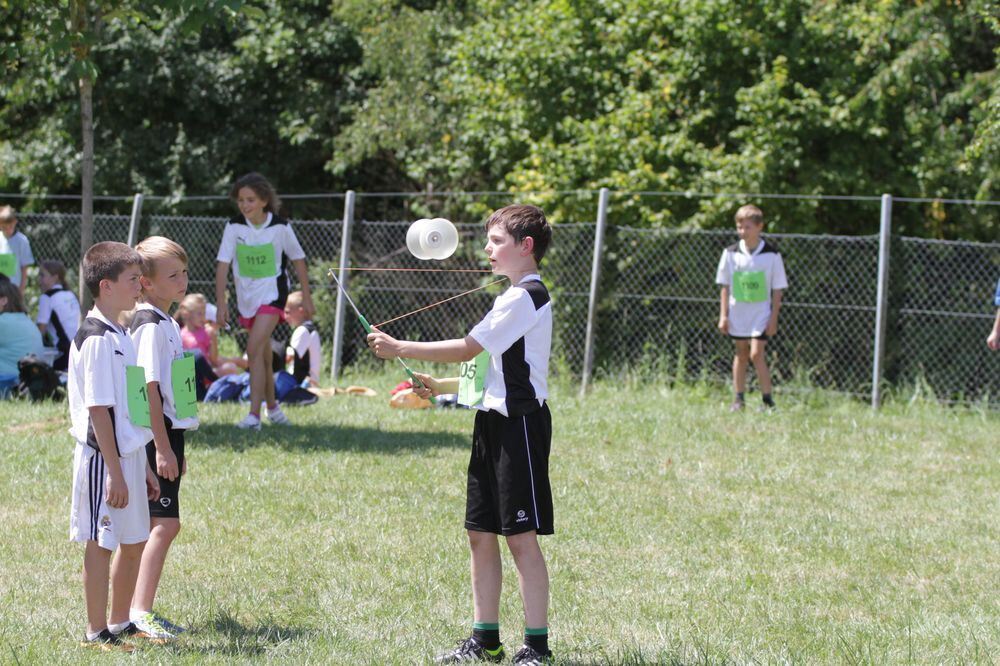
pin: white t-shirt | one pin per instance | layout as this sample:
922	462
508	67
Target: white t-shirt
59	309
251	293
749	318
20	247
306	352
517	333
98	357
157	340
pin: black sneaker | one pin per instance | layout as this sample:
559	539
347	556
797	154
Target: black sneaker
108	642
529	656
470	649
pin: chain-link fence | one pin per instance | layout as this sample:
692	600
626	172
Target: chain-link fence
657	304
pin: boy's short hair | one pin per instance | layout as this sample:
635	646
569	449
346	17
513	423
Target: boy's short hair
523	221
106	261
294	299
158	247
13	295
54	267
750	213
7	214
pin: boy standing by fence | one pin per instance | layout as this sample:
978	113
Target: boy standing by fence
15	250
508	490
169	378
993	341
752	276
111	480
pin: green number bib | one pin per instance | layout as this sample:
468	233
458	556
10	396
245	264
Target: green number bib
256	261
8	264
182	382
472	379
138	399
749	287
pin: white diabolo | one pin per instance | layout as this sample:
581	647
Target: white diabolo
432	239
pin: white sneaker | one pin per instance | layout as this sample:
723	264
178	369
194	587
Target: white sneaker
150	627
249	422
277	417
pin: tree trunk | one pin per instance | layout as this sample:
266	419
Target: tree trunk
80	23
87	180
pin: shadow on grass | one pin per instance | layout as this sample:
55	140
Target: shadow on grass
239	640
313	437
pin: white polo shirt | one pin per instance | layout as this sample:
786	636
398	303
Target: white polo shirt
97	359
517	333
306	352
19	246
748	318
157	340
251	293
59	310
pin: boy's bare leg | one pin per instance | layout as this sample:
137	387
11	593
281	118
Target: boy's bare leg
533	577
162	533
487	576
124	571
759	358
740	363
96	565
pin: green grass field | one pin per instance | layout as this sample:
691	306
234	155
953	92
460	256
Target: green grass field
824	533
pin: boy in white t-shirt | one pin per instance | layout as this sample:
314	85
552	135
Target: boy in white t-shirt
111	480
58	309
172	390
304	352
508	492
15	250
752	276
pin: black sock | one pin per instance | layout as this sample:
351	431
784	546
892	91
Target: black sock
739	396
537	639
487	634
768	400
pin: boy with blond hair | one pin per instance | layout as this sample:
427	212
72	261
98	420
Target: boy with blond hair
170	385
111	480
305	351
508	492
752	278
15	250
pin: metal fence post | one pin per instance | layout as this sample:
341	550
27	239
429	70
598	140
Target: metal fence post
595	278
133	225
345	254
882	298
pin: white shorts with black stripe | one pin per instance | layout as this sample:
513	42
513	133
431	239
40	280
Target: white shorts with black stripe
91	519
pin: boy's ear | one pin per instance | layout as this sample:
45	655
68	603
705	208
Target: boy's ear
105	284
527	246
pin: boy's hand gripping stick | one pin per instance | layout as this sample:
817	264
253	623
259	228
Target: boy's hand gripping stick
368	329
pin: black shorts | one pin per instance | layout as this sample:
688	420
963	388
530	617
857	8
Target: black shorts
508	489
167	504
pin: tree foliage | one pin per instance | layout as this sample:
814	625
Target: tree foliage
784	96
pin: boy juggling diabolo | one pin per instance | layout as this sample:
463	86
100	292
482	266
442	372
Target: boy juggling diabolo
508	490
752	276
171	389
111	479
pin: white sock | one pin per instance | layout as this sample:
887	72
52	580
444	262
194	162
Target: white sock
118	628
92	635
136	614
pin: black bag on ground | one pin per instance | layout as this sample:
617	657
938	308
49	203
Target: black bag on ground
38	379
